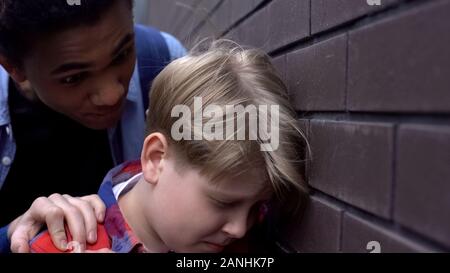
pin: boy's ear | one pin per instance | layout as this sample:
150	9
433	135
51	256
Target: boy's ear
153	152
13	70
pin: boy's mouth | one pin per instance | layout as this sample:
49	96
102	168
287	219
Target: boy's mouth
215	247
220	246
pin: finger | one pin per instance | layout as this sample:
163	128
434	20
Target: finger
99	207
32	221
74	219
44	210
19	240
23	235
87	211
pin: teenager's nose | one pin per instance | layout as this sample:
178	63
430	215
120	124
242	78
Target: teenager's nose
109	93
236	227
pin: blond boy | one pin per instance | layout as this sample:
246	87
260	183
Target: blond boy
199	187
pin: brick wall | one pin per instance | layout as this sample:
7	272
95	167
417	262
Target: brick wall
371	85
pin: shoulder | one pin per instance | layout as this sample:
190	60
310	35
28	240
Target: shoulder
145	34
3	85
42	243
176	49
4	110
4	240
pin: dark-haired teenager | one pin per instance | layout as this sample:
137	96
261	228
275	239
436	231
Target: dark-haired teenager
69	73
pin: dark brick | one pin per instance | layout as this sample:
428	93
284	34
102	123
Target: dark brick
289	21
255	30
207	5
352	161
171	19
240	8
206	31
222	16
402	63
155	17
318	230
304	127
358	232
257	2
187	16
423	180
198	12
141	12
212	26
326	14
280	65
317	74
234	35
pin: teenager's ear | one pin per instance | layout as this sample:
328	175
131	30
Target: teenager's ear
153	152
14	71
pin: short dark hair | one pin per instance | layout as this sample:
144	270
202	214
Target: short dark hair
24	20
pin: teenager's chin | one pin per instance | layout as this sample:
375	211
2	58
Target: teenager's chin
99	123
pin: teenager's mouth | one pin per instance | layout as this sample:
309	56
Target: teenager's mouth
100	115
106	112
102	119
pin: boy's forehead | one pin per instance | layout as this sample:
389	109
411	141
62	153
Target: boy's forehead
248	185
242	193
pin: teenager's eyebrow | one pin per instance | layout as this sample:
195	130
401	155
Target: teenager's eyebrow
79	66
125	40
71	66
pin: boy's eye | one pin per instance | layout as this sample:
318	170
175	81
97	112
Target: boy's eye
74	79
222	204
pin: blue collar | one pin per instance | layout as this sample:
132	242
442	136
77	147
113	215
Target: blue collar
123	239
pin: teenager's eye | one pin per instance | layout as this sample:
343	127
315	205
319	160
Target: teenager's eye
74	79
123	56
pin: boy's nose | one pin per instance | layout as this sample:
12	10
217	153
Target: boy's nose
236	227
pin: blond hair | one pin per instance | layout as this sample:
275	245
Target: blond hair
223	73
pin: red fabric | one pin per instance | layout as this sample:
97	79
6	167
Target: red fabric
43	243
133	167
